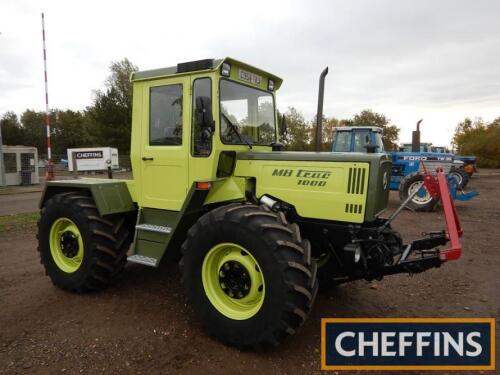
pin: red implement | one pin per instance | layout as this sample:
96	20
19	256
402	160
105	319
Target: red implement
438	188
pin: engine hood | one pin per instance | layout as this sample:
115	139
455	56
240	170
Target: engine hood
312	156
350	187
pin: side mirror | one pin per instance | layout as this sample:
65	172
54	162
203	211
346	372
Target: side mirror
283	127
204	117
371	148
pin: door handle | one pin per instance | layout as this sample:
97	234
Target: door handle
144	158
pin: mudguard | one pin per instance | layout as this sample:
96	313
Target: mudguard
110	196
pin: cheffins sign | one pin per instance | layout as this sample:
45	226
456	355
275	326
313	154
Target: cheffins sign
408	344
89	155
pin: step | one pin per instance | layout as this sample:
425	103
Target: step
141	259
154	228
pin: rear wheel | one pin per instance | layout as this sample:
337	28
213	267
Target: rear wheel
422	201
248	275
80	250
460	176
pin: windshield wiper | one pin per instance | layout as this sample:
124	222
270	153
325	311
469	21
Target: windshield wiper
236	131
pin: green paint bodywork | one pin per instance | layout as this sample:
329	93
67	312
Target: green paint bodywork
148	75
110	196
226	190
318	184
311	156
156	245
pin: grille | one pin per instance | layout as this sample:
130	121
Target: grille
353	208
356	181
192	66
432	165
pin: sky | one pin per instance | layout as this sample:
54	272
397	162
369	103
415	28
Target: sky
436	60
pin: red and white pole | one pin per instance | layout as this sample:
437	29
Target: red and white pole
50	167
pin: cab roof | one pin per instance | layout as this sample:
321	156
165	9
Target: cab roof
207	65
349	128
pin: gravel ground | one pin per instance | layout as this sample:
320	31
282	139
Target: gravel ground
143	325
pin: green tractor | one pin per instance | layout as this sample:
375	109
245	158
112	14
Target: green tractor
255	229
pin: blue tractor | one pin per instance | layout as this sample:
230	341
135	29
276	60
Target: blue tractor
469	161
463	166
407	166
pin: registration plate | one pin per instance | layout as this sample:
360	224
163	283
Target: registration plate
250	77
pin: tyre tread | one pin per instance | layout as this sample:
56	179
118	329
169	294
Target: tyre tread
109	241
292	254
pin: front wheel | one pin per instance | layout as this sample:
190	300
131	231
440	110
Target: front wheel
422	201
248	275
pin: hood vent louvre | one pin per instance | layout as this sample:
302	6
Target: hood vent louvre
353	208
356	181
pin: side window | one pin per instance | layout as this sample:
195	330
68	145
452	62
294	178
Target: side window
10	162
165	115
342	141
265	117
202	123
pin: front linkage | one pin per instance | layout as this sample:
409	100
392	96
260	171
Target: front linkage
371	251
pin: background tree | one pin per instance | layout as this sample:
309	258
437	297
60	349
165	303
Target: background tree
111	110
480	139
297	137
367	117
12	131
34	131
71	130
327	133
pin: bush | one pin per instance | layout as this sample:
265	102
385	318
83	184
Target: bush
480	139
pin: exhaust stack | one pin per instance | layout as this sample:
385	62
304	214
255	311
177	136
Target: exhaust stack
319	114
415	138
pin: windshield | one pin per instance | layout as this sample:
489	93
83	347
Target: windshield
247	114
407	147
343	139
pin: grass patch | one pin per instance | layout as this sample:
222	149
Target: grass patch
11	222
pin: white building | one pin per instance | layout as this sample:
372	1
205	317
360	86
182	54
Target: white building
21	165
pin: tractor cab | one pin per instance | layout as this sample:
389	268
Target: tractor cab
190	120
423	147
357	139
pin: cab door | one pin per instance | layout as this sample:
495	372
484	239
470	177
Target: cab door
165	148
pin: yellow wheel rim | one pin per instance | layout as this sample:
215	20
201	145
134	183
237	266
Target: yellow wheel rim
66	245
233	281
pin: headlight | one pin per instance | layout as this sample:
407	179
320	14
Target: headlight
355	249
270	85
357	254
225	70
